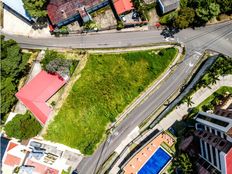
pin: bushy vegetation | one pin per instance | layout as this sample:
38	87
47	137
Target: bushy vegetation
36	8
13	67
143	8
108	83
222	66
55	62
23	127
182	163
212	101
196	13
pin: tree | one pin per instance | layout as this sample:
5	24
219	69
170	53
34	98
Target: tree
225	6
23	127
13	66
214	9
36	8
183	163
185	18
8	89
208	11
189	101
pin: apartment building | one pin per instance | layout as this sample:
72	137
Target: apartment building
215	137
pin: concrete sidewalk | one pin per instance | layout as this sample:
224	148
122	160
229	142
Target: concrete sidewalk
197	98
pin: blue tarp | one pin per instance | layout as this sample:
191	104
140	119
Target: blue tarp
17	6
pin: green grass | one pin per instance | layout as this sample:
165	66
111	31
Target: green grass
108	83
220	91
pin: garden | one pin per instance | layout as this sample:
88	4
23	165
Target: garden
108	83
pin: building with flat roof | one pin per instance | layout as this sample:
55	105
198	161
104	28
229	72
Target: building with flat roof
215	138
38	157
16	7
146	159
35	94
168	5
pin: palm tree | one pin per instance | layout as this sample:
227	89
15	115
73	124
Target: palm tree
189	101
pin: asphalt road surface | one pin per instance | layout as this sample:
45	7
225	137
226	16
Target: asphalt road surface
216	37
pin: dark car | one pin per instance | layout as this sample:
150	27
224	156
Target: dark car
75	172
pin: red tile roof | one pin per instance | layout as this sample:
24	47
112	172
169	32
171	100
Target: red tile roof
11	145
123	6
229	162
34	94
61	10
41	168
11	160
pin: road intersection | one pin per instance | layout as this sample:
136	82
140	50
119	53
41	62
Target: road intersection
216	37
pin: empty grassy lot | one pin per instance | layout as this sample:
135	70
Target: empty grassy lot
108	83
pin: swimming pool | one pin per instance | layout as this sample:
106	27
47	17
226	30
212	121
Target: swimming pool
156	163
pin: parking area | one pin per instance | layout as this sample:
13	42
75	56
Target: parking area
131	17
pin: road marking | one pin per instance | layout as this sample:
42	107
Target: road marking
198	53
191	64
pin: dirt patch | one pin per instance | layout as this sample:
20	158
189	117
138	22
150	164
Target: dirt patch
219	19
104	19
153	17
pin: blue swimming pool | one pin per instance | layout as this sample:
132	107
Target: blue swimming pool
156	163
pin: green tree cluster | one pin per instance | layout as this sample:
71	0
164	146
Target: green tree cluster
184	18
183	163
23	127
36	8
13	66
196	13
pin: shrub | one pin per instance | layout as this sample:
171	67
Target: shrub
23	127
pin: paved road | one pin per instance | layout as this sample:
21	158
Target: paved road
217	37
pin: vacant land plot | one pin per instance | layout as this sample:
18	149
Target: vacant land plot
108	83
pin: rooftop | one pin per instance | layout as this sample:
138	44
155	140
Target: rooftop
168	2
35	94
138	160
123	6
60	10
17	6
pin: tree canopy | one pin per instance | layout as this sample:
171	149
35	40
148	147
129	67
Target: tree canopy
36	8
13	66
23	127
185	18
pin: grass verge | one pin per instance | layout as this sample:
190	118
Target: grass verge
108	83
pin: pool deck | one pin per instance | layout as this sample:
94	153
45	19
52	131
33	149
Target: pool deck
138	160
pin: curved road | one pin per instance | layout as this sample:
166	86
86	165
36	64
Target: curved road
216	37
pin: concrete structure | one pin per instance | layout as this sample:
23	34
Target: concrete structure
38	157
215	138
168	5
136	162
16	7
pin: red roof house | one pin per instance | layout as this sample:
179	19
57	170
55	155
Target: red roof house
123	6
35	94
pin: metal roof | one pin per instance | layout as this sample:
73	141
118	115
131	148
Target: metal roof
17	6
35	94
